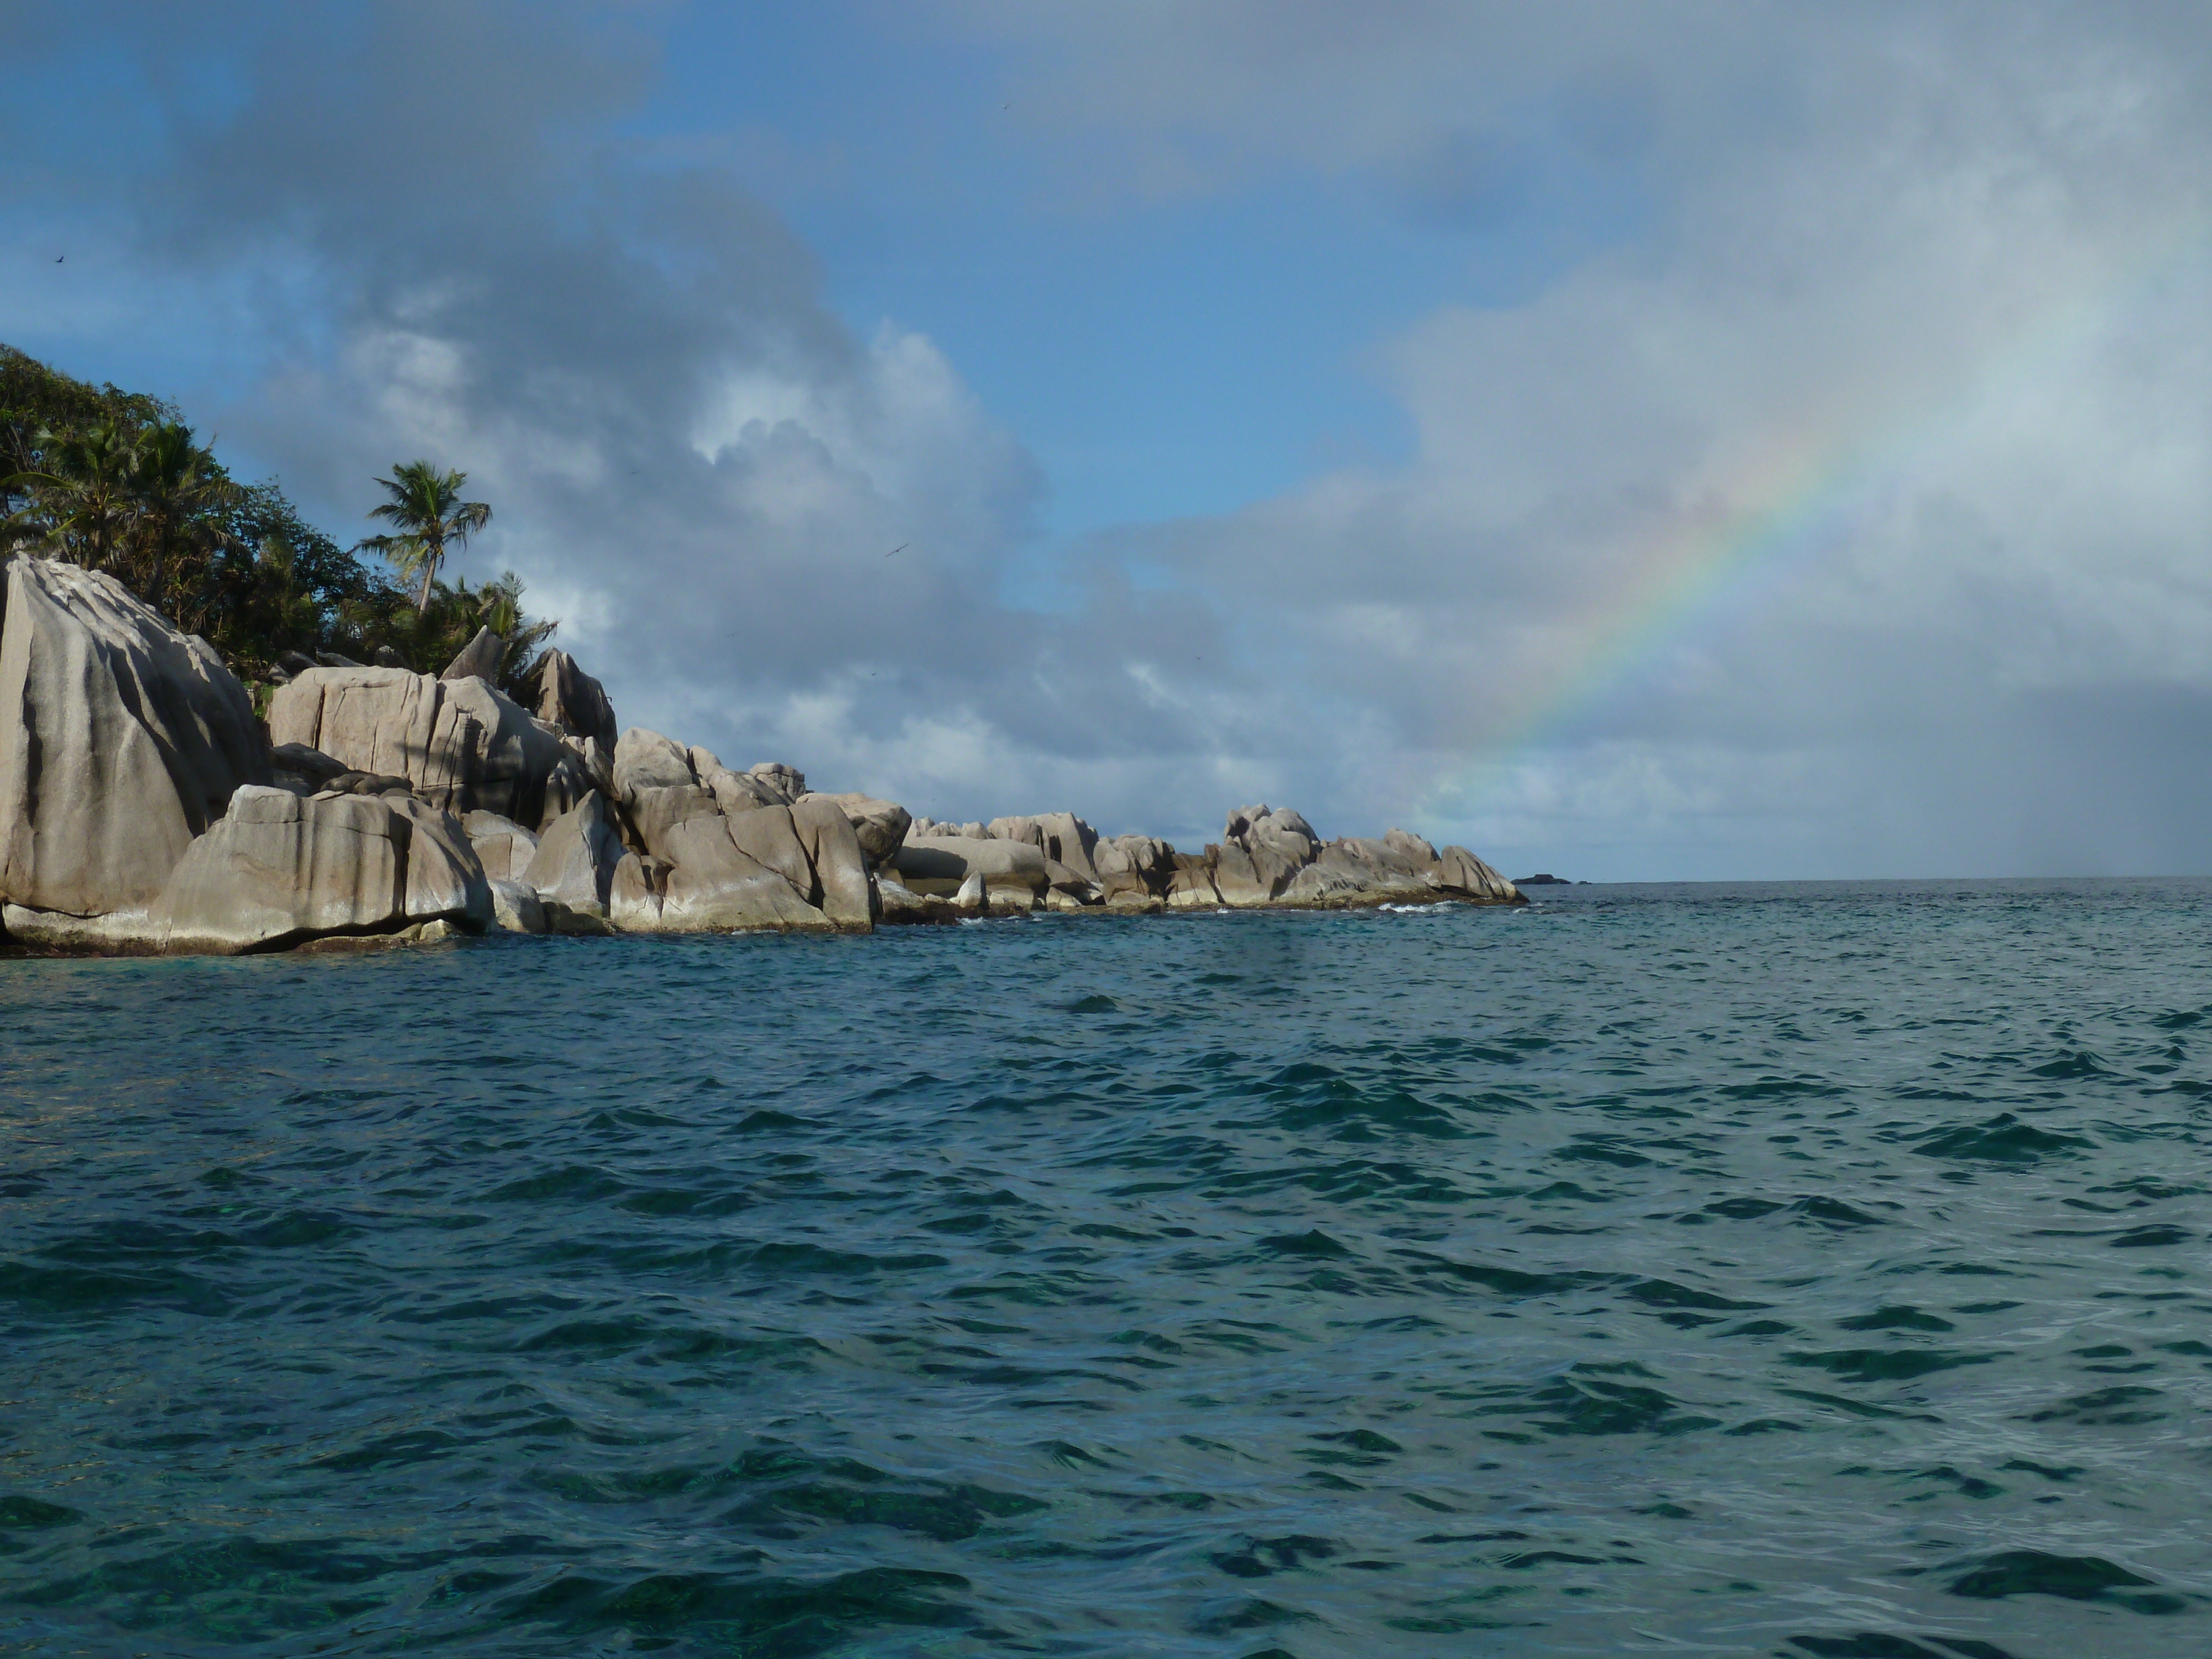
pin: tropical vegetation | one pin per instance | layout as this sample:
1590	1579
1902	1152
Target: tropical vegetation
118	481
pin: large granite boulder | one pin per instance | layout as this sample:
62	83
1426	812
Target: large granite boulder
460	744
1358	870
713	884
654	781
278	870
735	791
1262	850
571	699
881	825
1399	868
120	740
1133	864
646	760
1459	871
704	839
788	782
1190	884
479	659
504	846
1063	838
842	889
769	837
575	864
940	864
516	908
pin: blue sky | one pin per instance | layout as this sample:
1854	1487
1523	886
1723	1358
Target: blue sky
1161	357
1384	410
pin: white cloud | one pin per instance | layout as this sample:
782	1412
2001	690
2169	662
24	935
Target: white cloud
1847	513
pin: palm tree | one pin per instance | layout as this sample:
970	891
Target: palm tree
80	500
426	505
178	492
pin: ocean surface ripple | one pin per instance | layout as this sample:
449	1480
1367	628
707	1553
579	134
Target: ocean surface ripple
1800	1270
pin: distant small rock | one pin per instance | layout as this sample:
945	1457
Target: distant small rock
1543	881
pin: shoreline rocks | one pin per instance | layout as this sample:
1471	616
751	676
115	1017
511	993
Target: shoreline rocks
144	808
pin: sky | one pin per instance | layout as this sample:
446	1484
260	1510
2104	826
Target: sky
1642	441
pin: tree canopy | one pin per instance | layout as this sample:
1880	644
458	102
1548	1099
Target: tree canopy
118	481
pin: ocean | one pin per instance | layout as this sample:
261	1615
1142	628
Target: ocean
1799	1270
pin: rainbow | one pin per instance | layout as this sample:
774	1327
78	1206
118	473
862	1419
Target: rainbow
1771	514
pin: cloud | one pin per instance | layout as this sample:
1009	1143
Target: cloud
1772	539
1835	503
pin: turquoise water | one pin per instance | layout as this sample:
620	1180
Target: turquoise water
1796	1270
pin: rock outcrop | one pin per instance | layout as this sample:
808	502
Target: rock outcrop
881	825
278	870
504	846
573	867
1261	852
479	659
141	808
710	848
120	740
571	699
942	864
460	744
1064	839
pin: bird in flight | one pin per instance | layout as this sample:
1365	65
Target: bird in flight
58	257
900	548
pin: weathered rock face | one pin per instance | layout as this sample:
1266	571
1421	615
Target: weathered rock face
1461	871
1132	864
445	878
1262	850
737	792
646	760
941	864
1401	867
1361	871
571	699
843	892
881	825
635	897
120	740
479	659
516	907
788	781
1062	837
503	846
278	870
575	864
714	884
714	849
459	745
1190	884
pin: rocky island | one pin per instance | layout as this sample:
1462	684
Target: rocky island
148	805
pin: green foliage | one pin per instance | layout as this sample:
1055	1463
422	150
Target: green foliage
426	505
117	481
